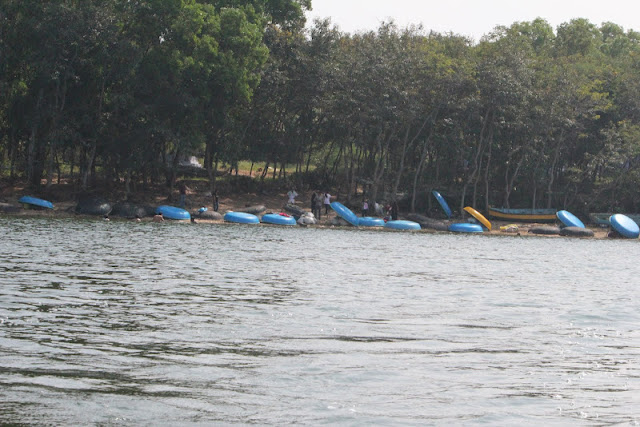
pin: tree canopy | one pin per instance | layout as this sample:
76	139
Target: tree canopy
117	91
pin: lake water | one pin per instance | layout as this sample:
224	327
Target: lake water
164	324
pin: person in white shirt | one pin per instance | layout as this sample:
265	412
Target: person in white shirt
327	203
292	196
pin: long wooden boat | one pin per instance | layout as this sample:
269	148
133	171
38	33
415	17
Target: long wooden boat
602	218
523	215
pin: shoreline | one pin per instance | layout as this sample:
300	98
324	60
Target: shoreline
65	210
273	202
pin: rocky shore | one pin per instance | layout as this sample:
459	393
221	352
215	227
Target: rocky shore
143	205
98	206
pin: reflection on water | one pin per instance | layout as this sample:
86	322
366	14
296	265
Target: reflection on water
123	322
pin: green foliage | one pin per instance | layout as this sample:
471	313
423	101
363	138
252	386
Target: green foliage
121	90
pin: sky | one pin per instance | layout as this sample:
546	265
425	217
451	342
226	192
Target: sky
472	18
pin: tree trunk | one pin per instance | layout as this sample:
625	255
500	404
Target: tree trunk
51	163
215	174
405	143
306	170
58	170
60	101
326	158
486	170
509	181
348	171
378	172
416	175
208	164
88	166
127	184
12	156
552	171
31	149
172	176
334	167
72	165
477	162
535	196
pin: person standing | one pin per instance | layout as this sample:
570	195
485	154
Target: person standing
327	203
216	203
183	193
365	208
317	210
394	211
292	196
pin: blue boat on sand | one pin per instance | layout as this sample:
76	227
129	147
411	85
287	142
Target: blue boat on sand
172	212
465	227
569	219
241	218
345	213
34	202
443	203
368	221
278	219
625	226
402	225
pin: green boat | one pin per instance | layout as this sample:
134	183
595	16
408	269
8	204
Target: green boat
602	218
523	215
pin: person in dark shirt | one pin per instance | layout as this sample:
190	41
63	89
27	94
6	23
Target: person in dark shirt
215	201
394	210
183	193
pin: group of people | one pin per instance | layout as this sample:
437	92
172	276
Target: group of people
318	200
390	210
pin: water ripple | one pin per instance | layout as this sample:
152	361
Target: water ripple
127	323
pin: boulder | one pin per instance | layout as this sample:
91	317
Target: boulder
576	232
339	222
7	208
254	210
294	210
128	210
149	210
93	205
426	222
545	229
209	214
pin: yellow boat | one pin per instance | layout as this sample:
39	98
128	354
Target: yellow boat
477	215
